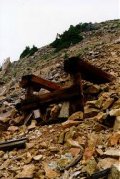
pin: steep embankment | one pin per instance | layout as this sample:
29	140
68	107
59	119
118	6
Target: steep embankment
95	46
79	147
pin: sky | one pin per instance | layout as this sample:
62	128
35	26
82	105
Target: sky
36	22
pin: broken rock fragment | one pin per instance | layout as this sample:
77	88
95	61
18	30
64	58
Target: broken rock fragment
106	163
75	151
112	152
50	173
91	166
107	103
93	89
70	123
12	128
76	116
90	112
61	137
114	139
27	172
115	112
38	157
100	117
64	112
116	126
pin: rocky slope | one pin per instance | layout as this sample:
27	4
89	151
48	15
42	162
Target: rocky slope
78	147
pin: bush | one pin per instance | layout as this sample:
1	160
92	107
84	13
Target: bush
33	50
28	51
67	39
72	36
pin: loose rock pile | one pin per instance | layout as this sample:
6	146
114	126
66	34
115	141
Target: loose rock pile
85	145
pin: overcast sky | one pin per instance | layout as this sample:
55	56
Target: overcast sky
28	22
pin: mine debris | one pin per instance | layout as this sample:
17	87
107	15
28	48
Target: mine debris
14	143
73	162
37	83
36	101
100	174
78	70
28	118
88	72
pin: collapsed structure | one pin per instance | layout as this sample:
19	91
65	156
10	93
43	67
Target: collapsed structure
78	70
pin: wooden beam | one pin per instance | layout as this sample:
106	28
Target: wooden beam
77	104
36	102
37	83
88	71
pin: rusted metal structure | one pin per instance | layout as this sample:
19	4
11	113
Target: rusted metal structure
14	143
88	71
78	69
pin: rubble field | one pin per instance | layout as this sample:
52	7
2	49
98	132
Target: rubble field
82	145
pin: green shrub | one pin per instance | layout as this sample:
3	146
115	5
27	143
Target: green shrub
28	51
33	50
71	36
25	52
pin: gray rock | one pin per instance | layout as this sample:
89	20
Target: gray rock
117	124
6	65
64	112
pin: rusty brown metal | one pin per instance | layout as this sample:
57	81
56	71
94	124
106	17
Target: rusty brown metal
88	71
37	101
78	69
36	83
77	104
14	143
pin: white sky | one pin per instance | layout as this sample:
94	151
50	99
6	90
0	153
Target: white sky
28	22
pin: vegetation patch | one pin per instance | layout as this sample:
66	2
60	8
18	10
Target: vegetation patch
28	51
72	36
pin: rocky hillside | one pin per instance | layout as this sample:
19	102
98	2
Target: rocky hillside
96	45
82	146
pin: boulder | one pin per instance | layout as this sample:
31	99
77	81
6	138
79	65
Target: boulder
76	116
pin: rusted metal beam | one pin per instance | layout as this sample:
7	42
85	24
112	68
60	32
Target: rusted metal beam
100	174
15	143
88	71
63	94
37	83
77	104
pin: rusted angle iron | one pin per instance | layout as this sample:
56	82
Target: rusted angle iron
36	83
15	143
60	95
88	71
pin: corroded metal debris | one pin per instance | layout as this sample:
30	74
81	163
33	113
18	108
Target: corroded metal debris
78	69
